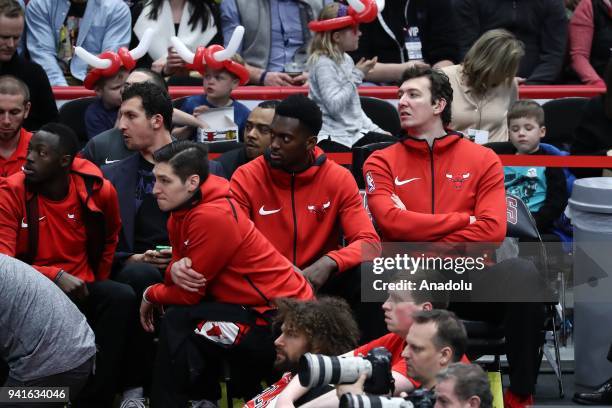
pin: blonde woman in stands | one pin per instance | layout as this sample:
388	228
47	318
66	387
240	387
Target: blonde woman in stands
484	86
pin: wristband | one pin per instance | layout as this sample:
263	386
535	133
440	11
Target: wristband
59	275
144	297
262	78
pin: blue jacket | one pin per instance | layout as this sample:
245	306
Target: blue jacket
105	26
123	176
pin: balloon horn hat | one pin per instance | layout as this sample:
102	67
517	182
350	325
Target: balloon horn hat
214	57
108	63
358	11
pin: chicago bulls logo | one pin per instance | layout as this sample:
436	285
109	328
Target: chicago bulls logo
457	180
319	210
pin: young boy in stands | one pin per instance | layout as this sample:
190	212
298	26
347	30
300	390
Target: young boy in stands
218	84
101	114
543	189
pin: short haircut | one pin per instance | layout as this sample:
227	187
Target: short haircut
439	299
470	380
155	100
68	141
11	9
10	85
450	330
304	109
186	158
270	104
440	87
154	77
327	323
526	108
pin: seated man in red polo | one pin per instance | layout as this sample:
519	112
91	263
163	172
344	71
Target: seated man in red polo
229	319
61	216
14	110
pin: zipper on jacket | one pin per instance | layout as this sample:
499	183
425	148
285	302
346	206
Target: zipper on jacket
294	219
433	184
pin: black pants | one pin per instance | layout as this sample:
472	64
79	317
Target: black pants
189	366
140	346
330	146
74	379
523	322
369	315
110	309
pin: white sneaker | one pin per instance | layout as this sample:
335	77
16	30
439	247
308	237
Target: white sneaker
133	403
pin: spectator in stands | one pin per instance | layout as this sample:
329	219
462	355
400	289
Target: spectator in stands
109	146
257	138
243	274
484	87
333	85
44	338
465	203
590	40
543	189
43	108
54	29
399	309
218	85
61	216
593	134
295	181
323	326
101	114
195	22
463	385
417	30
541	25
14	110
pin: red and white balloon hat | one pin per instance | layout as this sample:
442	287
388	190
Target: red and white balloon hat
108	63
214	57
358	11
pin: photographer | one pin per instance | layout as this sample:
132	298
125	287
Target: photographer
463	385
324	326
399	309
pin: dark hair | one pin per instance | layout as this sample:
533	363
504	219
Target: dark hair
10	9
440	87
186	158
450	330
470	381
526	108
304	109
155	100
270	104
10	85
201	11
327	323
439	299
68	141
154	77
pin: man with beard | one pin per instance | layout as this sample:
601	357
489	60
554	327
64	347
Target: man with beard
14	138
323	326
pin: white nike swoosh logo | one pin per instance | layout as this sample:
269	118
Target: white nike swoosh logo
399	182
23	223
42	218
106	161
186	243
267	212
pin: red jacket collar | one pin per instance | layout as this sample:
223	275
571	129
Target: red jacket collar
283	178
212	189
440	143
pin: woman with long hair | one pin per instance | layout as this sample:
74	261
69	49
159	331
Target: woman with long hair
484	86
195	22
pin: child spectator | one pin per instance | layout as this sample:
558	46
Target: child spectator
101	114
542	189
334	79
218	85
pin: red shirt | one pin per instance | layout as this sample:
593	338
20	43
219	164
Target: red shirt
14	163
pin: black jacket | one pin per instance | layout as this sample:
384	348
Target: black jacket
44	109
593	136
232	160
437	31
106	148
540	24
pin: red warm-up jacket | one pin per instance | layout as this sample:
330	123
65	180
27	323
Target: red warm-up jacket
101	220
303	214
241	266
441	187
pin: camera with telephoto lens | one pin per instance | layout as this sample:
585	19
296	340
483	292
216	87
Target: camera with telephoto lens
316	370
417	399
